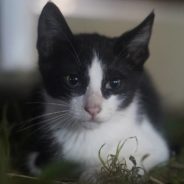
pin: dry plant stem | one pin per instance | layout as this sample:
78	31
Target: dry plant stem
14	175
155	180
118	150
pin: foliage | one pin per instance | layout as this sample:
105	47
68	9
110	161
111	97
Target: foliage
116	171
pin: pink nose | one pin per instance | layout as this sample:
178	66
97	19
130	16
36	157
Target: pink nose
93	111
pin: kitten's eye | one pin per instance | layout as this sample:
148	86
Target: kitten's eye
72	80
113	84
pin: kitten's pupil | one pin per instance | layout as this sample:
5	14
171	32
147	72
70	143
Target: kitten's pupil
113	84
72	80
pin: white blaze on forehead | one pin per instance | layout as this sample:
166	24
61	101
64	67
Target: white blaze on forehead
95	75
93	97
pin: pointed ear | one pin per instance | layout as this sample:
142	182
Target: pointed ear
52	29
133	45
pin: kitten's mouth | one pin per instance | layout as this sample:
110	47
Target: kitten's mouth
92	120
91	124
95	120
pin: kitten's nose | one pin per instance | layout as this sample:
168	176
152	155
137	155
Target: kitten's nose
93	110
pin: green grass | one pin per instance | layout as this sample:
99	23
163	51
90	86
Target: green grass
113	171
116	171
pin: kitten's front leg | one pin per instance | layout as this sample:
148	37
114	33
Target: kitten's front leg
33	169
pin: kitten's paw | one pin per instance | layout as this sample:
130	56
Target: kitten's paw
31	164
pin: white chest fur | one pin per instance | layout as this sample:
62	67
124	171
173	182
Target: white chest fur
83	145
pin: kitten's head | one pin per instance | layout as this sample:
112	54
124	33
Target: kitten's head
93	76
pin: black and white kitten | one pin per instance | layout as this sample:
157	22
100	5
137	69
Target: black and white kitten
97	91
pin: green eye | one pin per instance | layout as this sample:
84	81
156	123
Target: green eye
113	84
72	80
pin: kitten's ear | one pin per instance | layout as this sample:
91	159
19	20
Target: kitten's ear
133	45
52	29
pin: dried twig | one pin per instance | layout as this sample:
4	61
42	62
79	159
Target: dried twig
155	180
15	175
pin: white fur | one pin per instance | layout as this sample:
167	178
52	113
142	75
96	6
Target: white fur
31	163
83	146
95	75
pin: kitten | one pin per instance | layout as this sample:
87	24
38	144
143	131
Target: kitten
96	91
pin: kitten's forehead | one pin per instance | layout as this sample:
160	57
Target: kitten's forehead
95	74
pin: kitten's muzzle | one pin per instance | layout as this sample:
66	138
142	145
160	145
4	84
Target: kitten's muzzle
93	110
93	103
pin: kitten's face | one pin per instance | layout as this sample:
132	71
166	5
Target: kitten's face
97	98
92	75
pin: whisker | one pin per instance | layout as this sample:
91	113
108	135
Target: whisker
43	122
24	123
46	126
43	115
47	103
35	124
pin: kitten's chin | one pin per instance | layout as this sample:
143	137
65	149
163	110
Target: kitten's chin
90	125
